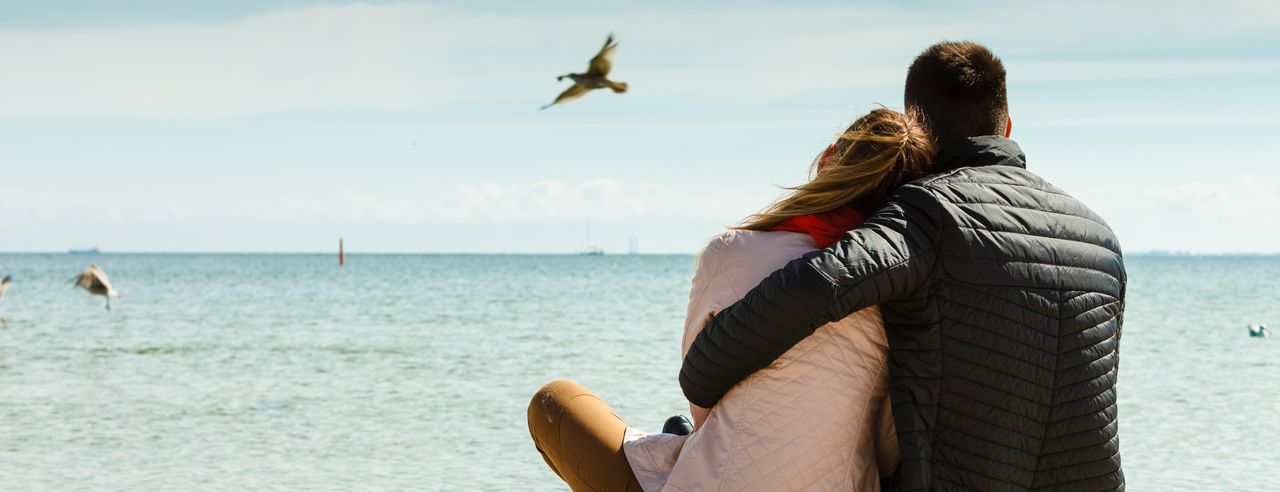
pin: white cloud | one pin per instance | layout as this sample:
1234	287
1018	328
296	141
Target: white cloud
543	216
1213	215
542	202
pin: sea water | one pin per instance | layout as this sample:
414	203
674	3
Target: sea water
262	372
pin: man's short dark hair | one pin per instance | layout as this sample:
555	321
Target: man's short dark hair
957	87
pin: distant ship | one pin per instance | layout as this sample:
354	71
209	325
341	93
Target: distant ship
88	251
592	249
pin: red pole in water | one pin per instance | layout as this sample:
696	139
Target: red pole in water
342	256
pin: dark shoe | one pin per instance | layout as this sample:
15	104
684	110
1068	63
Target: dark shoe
678	425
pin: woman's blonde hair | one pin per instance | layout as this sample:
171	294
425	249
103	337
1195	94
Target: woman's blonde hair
878	153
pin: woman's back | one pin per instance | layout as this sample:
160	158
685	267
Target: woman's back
817	418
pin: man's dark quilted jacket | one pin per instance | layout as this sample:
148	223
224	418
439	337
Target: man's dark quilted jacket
1002	299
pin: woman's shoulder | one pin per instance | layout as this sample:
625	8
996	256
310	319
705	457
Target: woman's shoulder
735	248
733	240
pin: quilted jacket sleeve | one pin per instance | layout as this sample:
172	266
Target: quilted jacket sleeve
888	257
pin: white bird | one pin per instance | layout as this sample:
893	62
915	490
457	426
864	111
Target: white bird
94	280
596	76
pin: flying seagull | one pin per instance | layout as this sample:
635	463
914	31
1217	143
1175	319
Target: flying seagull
4	285
94	280
596	76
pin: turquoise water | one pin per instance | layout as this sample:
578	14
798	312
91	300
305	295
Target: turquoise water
232	372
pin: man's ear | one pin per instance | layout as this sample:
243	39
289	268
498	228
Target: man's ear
826	156
1008	126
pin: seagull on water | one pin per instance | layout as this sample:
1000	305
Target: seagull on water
4	285
596	76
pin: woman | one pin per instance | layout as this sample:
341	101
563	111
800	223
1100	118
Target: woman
818	417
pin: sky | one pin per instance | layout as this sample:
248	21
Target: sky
280	126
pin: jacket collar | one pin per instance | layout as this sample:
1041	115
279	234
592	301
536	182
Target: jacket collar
988	150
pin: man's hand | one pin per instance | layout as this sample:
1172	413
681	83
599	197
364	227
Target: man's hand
888	257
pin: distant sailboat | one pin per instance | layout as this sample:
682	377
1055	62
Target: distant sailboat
592	250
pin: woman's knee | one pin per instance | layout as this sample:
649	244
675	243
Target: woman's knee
552	396
548	405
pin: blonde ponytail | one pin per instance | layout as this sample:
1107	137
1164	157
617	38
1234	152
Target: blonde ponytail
878	153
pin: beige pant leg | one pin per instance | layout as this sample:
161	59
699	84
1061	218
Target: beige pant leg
580	438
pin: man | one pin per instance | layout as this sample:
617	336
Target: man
1002	298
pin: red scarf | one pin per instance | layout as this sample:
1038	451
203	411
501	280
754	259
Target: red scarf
825	228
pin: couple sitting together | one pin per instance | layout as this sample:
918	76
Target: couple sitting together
924	314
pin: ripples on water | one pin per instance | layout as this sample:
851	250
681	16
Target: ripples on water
413	371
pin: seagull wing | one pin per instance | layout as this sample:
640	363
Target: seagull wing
100	278
603	61
84	280
574	92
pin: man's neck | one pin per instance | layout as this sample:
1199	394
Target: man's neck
987	150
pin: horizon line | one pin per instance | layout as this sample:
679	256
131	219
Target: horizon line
1152	252
348	253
